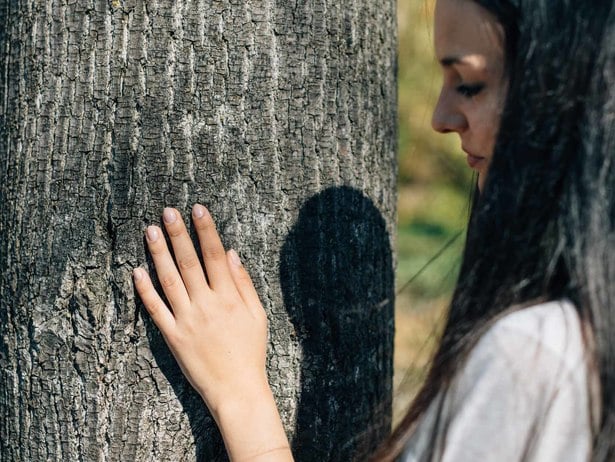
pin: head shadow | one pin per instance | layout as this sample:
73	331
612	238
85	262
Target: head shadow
337	279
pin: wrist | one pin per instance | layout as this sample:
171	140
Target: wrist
240	400
228	399
251	426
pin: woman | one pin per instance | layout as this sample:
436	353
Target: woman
526	363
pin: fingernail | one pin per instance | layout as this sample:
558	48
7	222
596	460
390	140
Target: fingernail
234	257
137	274
199	211
152	233
169	216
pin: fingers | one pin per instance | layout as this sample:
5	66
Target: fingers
153	303
169	278
214	256
185	256
243	282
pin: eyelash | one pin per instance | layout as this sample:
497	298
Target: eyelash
470	90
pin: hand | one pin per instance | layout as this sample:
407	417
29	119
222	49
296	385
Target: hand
216	327
217	331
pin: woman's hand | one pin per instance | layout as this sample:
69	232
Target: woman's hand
217	330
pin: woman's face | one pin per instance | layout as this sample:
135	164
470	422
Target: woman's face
469	45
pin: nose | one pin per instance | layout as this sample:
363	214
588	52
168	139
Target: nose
447	117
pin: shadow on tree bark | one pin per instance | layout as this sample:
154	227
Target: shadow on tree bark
337	279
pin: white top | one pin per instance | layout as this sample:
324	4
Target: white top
522	395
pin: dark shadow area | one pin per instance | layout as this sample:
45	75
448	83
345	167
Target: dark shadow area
338	285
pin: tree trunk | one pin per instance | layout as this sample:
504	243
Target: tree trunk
280	117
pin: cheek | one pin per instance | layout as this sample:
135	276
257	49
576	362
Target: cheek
487	124
491	132
485	129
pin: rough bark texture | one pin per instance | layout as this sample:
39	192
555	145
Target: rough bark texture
278	115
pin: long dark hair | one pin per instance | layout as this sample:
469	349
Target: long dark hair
543	227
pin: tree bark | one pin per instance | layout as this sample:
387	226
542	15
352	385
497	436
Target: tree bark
280	117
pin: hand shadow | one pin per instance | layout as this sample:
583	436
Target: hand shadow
337	281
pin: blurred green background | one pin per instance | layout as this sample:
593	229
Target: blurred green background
433	188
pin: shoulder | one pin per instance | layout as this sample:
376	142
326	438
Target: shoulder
548	331
521	394
530	347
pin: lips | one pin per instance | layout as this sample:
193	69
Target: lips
473	161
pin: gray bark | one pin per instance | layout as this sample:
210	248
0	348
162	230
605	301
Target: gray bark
280	117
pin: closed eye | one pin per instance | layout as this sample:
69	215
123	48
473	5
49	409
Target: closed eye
468	90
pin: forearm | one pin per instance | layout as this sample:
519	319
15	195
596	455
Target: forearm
252	429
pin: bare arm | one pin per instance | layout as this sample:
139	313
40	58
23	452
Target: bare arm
217	331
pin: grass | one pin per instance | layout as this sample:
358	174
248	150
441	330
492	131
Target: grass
429	219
